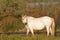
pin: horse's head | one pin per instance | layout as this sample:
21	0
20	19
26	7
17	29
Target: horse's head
24	19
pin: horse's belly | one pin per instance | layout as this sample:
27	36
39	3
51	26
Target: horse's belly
37	26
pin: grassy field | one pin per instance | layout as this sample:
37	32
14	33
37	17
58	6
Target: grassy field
29	37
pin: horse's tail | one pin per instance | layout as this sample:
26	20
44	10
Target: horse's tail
53	27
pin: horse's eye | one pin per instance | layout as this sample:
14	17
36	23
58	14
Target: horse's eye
25	23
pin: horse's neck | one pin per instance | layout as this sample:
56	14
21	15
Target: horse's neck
29	17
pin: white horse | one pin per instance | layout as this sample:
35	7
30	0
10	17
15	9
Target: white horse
39	24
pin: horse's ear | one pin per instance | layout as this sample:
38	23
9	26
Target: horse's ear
23	15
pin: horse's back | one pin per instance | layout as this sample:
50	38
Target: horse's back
47	20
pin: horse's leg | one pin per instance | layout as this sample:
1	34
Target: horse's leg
47	30
53	28
27	31
32	32
51	31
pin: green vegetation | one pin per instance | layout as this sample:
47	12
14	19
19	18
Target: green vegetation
29	37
